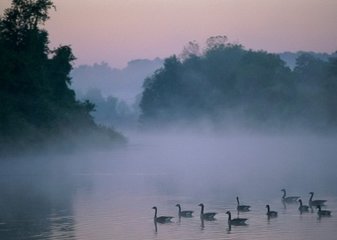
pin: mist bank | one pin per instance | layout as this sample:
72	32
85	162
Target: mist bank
236	163
124	84
226	85
115	92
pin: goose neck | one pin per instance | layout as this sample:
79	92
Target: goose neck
229	216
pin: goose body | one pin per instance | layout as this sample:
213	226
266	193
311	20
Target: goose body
303	208
315	203
207	215
235	221
322	213
270	213
185	213
161	219
242	208
289	199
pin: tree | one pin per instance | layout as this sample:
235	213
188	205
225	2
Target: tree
255	88
216	42
36	101
23	17
191	49
330	88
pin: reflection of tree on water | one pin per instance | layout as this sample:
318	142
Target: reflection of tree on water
35	206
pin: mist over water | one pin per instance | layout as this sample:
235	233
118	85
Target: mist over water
240	163
109	194
230	122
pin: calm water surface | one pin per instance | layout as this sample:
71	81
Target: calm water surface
110	194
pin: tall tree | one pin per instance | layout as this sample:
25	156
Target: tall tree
36	101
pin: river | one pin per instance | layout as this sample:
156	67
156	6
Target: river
109	194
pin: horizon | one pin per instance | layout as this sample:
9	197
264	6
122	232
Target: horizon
147	29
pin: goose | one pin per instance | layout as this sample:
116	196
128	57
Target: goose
291	199
235	221
161	219
185	213
303	208
315	203
207	215
242	208
322	213
270	213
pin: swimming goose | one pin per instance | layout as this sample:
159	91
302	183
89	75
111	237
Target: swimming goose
270	213
242	208
185	213
315	203
235	221
207	215
322	213
161	219
303	208
291	199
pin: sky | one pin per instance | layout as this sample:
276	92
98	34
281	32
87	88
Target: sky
117	31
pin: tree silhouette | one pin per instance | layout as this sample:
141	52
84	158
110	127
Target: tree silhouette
36	101
254	88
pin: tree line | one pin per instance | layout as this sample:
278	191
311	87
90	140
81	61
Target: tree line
36	103
228	85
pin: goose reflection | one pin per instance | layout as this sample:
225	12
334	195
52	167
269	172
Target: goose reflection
202	223
323	213
229	229
155	226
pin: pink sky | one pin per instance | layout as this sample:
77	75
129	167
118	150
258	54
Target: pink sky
116	31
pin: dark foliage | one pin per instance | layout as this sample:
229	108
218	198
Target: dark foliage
36	101
230	85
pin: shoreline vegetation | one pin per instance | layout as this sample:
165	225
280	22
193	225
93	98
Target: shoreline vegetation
219	88
38	109
226	86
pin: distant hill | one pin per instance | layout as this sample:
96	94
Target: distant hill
124	84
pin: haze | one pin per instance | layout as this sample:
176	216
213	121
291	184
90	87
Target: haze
147	128
116	31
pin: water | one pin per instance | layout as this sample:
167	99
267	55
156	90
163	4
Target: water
110	194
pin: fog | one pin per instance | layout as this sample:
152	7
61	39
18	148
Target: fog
203	163
86	154
239	163
125	83
178	165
